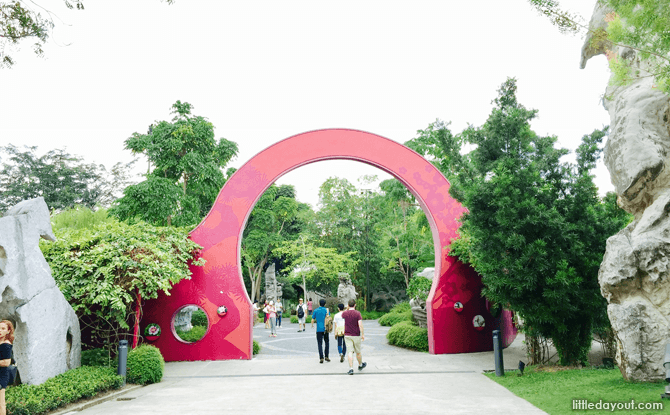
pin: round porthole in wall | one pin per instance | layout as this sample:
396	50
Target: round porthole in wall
458	306
152	332
190	324
478	322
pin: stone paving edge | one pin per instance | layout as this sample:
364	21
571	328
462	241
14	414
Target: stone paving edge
95	401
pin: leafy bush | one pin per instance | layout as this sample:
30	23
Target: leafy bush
409	336
257	347
308	319
331	304
96	357
193	335
391	319
419	287
401	307
145	365
372	315
360	304
68	387
199	318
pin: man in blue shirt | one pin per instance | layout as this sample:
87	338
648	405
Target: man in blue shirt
319	315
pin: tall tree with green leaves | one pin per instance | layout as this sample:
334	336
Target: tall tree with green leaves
62	179
273	220
185	176
535	227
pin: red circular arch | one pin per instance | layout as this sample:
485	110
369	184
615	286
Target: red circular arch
219	281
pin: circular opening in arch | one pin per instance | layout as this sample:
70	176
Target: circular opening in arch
190	324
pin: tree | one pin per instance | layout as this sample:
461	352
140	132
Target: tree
62	179
20	21
641	25
187	171
105	268
535	229
315	265
272	221
407	244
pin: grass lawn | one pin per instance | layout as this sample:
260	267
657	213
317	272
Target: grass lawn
553	390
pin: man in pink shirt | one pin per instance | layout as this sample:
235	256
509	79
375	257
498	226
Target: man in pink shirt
353	335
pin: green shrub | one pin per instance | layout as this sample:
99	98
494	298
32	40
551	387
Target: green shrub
308	319
401	307
96	357
391	319
360	304
196	333
372	315
419	287
257	347
409	336
68	387
199	318
145	365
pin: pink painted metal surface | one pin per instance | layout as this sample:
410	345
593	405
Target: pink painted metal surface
220	282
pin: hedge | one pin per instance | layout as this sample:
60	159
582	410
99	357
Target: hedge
257	347
294	319
145	365
63	389
391	319
409	336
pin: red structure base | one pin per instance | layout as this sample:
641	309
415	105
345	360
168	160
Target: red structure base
219	282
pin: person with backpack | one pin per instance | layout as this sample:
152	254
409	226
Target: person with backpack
300	312
338	322
322	317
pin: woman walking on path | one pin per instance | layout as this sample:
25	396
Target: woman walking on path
265	318
6	340
272	318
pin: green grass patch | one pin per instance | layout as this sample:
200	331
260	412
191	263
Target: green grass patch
393	318
554	391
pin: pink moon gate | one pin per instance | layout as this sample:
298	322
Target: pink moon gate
219	282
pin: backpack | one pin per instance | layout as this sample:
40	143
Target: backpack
301	313
329	324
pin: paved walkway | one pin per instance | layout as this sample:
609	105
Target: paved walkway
287	377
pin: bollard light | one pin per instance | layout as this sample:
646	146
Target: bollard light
497	353
123	358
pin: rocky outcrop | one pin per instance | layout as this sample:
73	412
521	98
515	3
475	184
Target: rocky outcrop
419	304
346	290
634	273
47	340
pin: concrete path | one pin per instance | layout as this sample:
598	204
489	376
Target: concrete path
287	377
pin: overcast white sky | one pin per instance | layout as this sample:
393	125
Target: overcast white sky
262	71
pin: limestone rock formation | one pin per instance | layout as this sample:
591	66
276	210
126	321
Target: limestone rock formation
48	339
634	273
419	305
273	289
346	290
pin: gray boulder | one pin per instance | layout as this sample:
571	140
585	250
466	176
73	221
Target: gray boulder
633	276
48	340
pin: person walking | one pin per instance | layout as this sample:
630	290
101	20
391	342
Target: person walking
300	312
322	334
6	340
256	310
265	317
354	335
272	318
310	306
338	329
279	308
